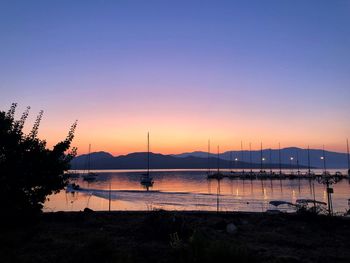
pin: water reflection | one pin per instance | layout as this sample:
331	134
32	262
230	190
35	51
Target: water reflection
190	190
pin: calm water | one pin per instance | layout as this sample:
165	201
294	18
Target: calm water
190	190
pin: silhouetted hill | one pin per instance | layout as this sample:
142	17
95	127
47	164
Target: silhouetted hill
99	155
333	159
103	160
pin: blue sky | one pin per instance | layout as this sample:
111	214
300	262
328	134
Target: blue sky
255	70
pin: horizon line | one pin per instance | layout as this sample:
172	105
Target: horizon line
212	153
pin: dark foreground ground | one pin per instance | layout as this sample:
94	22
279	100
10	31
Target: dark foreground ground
160	236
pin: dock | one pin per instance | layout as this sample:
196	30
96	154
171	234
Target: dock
261	175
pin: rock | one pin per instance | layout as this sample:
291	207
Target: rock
231	228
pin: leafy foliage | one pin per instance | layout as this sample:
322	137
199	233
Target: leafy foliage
29	171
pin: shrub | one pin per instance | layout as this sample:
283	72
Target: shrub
29	171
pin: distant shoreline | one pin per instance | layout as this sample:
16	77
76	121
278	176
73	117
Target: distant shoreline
201	169
288	158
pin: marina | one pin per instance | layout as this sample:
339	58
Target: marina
267	172
191	190
277	175
175	131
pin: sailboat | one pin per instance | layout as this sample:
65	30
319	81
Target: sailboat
217	175
89	176
298	166
323	158
281	175
208	171
251	161
242	159
272	174
347	147
146	180
309	173
262	173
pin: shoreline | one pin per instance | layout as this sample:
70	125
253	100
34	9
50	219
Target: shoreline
176	236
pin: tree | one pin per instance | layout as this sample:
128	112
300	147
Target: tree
29	172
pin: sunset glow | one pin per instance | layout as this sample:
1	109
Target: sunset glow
185	72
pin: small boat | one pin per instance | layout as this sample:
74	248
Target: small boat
309	174
281	175
339	175
348	155
311	206
279	206
262	174
280	202
216	175
89	176
146	180
308	201
252	174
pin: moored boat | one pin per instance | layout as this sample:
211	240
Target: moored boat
146	180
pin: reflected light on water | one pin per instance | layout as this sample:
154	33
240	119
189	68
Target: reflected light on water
189	190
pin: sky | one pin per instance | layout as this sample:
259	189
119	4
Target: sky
186	71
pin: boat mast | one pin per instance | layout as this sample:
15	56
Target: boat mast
270	156
261	157
347	146
250	157
324	160
148	154
89	158
309	171
218	160
308	159
208	156
298	162
109	196
218	197
242	155
279	157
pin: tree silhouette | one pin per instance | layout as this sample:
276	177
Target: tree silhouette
29	171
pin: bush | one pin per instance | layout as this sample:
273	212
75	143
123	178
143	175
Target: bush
203	248
29	172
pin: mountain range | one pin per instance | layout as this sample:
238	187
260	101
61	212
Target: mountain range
197	160
333	159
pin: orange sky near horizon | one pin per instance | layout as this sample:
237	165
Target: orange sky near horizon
186	133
